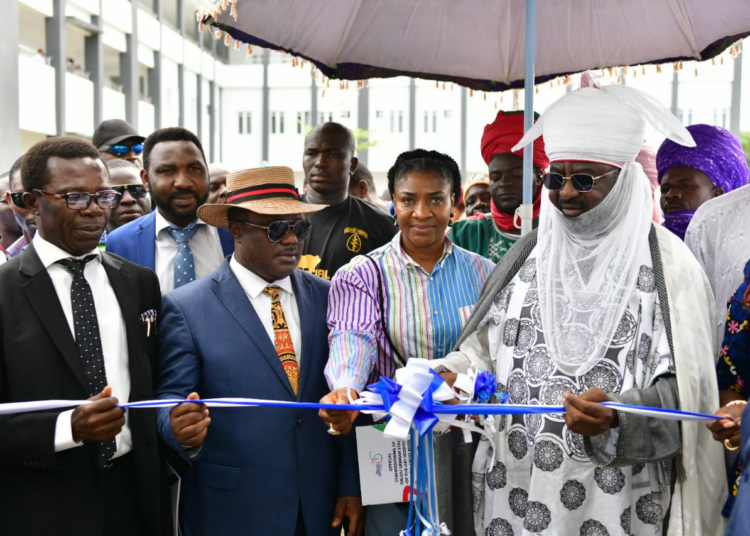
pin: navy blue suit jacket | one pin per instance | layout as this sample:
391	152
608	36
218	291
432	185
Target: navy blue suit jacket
257	466
136	241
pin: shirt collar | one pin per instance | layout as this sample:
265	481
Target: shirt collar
162	223
49	253
253	284
406	259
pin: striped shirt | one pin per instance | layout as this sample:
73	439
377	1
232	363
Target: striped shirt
17	247
424	312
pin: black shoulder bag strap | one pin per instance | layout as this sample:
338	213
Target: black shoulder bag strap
397	357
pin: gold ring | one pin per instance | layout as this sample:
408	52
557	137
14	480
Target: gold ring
729	446
336	432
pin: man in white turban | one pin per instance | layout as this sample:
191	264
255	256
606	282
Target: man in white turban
597	304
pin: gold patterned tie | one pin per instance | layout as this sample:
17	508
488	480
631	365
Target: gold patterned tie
282	339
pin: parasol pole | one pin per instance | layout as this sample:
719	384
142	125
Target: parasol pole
526	210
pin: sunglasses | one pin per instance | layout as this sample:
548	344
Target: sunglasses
279	229
106	199
16	198
137	191
582	182
122	150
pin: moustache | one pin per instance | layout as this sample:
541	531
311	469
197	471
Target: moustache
183	193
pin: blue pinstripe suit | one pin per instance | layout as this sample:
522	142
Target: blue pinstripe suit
257	466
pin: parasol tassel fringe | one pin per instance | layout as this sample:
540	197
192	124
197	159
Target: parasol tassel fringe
249	49
658	69
217	35
237	45
227	40
200	26
233	11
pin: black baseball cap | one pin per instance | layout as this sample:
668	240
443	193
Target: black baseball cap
113	131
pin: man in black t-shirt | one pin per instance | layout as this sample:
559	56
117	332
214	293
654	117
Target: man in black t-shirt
349	226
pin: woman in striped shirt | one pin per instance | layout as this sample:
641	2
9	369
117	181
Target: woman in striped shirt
409	298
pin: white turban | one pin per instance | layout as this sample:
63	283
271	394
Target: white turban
604	125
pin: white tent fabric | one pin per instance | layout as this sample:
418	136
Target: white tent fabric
484	39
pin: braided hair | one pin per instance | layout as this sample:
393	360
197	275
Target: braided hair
421	160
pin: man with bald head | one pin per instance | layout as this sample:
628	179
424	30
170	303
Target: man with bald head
217	185
362	185
9	229
349	226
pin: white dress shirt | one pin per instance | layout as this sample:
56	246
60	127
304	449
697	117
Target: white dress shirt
111	330
205	245
253	286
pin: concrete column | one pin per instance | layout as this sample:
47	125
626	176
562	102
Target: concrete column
314	102
129	71
266	112
464	126
94	51
154	75
56	49
675	103
181	67
10	133
212	108
412	114
199	82
363	118
736	109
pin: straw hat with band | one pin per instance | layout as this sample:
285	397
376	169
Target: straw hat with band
268	190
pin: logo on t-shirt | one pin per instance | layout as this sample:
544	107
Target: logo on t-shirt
310	263
354	244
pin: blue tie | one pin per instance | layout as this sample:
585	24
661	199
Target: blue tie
184	267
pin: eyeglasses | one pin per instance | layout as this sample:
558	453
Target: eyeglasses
582	182
121	149
16	198
137	191
106	199
279	229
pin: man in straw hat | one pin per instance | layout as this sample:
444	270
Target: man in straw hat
597	304
262	470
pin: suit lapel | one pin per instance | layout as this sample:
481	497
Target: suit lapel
42	296
232	295
122	284
302	294
145	238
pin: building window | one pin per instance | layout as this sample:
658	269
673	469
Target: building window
346	114
299	122
724	118
426	122
434	121
249	122
240	124
281	122
307	119
447	114
273	122
400	121
393	121
330	117
379	114
321	118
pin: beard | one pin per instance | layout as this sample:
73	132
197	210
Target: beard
166	207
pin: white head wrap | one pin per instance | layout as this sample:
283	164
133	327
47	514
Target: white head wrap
587	267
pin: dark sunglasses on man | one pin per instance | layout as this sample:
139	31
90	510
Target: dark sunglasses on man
137	191
122	149
582	182
279	229
106	199
16	198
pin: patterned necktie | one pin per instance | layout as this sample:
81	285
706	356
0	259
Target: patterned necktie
184	267
87	339
283	339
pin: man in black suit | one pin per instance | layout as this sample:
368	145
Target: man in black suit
76	323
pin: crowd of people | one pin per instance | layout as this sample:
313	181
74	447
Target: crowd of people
134	269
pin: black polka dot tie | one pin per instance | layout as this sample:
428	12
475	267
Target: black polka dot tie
87	339
184	267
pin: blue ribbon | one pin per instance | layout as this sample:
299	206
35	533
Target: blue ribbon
484	387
